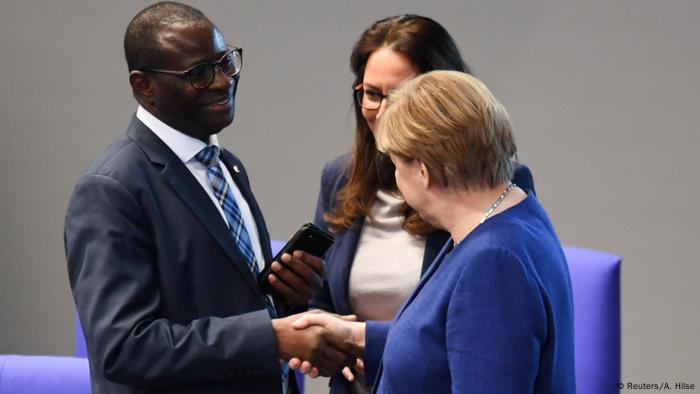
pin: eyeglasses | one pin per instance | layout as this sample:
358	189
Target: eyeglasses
202	74
367	98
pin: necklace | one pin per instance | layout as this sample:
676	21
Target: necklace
395	194
495	204
498	202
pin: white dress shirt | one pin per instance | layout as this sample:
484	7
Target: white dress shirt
186	148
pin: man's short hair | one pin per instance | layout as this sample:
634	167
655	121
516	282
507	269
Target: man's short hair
141	44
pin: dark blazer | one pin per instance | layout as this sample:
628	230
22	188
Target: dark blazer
494	314
333	296
165	298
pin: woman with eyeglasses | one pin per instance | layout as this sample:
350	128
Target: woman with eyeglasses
382	245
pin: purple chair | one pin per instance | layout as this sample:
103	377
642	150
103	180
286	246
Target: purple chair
595	279
43	375
79	337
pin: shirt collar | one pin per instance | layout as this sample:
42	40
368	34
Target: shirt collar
184	146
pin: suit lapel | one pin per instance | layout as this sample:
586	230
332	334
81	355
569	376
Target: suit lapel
240	178
191	192
346	254
426	277
433	245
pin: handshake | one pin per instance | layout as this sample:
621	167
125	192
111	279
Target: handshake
320	343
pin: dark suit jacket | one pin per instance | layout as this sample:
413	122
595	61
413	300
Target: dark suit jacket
333	296
165	298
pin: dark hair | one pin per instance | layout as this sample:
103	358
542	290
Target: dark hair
429	47
141	44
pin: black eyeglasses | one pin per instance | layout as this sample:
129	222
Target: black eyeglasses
368	98
202	74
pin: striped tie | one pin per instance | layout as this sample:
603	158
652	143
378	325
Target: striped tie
209	156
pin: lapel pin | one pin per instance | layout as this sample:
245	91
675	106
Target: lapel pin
235	168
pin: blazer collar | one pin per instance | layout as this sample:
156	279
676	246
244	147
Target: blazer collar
425	278
191	192
433	245
346	255
236	169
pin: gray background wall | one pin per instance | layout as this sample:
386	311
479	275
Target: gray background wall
603	95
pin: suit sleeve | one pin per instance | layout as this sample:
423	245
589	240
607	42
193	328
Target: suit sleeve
496	325
113	275
322	299
376	333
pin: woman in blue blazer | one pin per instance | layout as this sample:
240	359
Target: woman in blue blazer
382	245
494	312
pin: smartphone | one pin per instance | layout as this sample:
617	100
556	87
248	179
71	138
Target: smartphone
309	238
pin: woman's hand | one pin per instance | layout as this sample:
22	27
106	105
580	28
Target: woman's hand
342	332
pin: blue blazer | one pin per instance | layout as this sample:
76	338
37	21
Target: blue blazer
492	315
165	298
333	296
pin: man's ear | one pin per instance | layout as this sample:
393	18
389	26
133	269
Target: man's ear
142	86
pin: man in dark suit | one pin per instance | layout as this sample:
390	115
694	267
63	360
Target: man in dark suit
164	238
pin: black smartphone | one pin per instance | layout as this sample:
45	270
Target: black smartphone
309	238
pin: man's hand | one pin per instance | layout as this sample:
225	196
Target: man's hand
342	332
298	277
313	343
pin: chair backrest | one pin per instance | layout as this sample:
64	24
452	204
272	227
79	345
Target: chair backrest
595	280
79	338
276	246
44	375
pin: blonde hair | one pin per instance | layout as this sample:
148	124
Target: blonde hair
451	122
